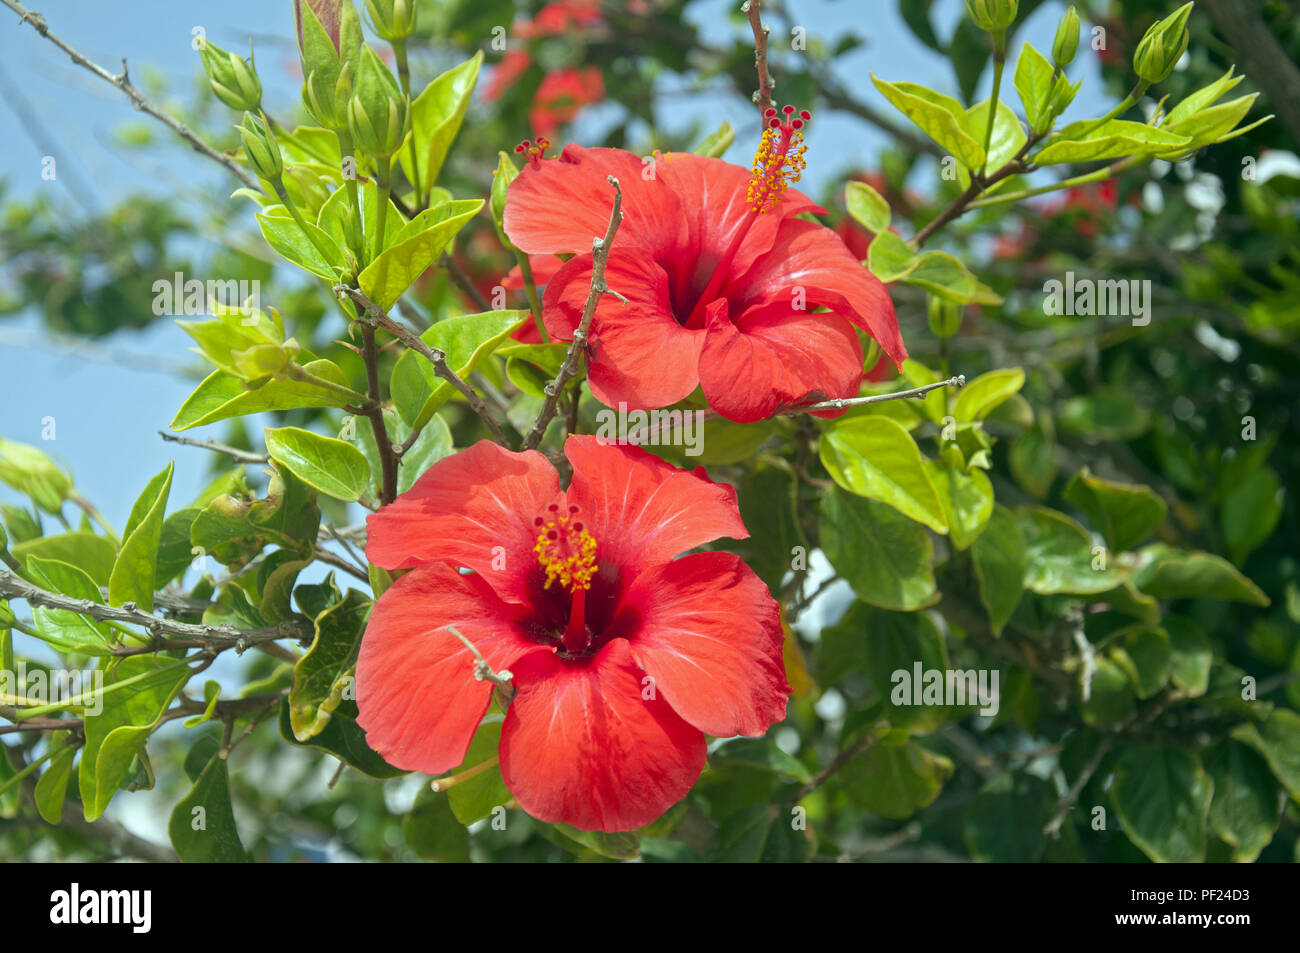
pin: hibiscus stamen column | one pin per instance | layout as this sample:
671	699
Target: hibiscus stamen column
778	162
568	554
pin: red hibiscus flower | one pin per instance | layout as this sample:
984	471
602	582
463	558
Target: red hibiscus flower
722	279
562	95
622	657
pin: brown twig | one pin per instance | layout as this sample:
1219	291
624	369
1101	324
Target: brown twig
978	185
387	456
234	453
762	95
123	82
373	316
841	759
463	282
600	248
209	636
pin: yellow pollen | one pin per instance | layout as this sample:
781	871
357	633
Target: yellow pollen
778	162
567	553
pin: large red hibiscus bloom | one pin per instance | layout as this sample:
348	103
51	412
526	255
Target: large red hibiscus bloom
723	280
622	656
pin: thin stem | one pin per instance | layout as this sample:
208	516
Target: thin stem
1115	168
999	63
843	758
404	78
530	289
17	778
93	512
234	453
762	95
387	458
1127	103
381	213
299	373
283	194
600	257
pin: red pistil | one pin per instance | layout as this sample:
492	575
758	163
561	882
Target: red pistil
534	152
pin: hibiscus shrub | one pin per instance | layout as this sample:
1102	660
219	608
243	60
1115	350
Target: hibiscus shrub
678	543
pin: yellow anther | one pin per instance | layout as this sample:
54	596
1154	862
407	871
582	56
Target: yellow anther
567	552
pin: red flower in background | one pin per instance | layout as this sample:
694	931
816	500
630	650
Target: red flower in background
622	656
721	278
563	94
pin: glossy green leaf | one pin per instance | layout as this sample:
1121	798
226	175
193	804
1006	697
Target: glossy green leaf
415	248
93	555
1277	738
290	240
343	738
1113	139
477	797
1124	513
436	117
323	674
895	781
967	500
132	579
202	825
1245	810
882	554
940	117
1161	795
999	559
1060	556
876	458
867	206
1175	574
334	467
981	396
221	396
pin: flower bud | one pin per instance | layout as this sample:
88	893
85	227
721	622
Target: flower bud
261	148
1066	43
377	110
393	20
1163	45
329	43
944	317
231	77
505	173
993	16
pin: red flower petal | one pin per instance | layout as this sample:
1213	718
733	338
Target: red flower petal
711	639
813	257
474	509
417	698
639	355
559	205
713	194
580	745
643	511
774	358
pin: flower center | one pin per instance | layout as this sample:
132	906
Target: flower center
778	162
534	153
779	159
568	554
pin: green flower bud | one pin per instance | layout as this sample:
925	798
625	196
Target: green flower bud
993	16
1066	43
261	148
377	111
29	471
1163	45
329	42
393	20
231	77
945	318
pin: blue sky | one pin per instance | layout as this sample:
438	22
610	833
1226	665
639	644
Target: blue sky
108	410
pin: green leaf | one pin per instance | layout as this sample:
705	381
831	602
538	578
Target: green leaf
1162	797
1124	513
290	240
1193	655
762	753
876	458
202	825
1175	574
343	738
116	734
465	340
623	845
1146	656
334	467
889	258
716	143
766	495
52	786
999	559
137	561
476	798
967	500
1277	738
436	117
64	630
940	117
1246	809
761	833
1008	136
1059	555
234	529
883	555
417	246
1032	460
323	674
1250	513
92	554
221	396
895	781
1033	80
947	277
867	206
1106	414
1005	823
433	832
1113	139
981	396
